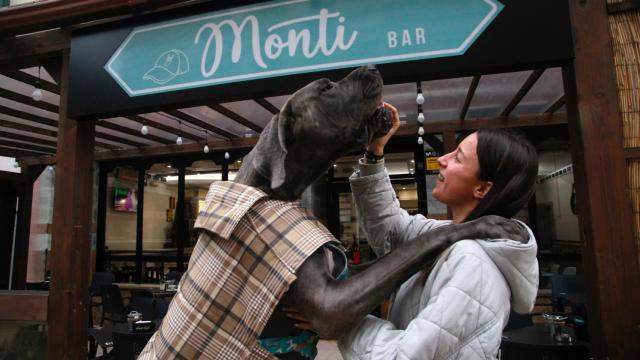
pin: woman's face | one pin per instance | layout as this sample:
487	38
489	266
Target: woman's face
458	178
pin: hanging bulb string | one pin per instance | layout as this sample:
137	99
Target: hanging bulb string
420	117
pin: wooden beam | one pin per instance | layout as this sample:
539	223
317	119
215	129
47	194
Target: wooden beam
24	51
71	233
236	117
605	217
54	14
623	6
28	306
247	143
199	123
163	127
15	153
528	84
24	127
470	93
31	80
36	130
123	129
28	116
267	105
457	125
632	153
25	146
214	145
27	100
114	138
556	105
31	139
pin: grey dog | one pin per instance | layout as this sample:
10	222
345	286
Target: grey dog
318	124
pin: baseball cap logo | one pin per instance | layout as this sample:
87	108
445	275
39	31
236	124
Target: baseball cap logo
168	65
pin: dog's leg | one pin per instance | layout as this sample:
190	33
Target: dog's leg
332	307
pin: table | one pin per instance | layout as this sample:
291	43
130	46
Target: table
163	293
104	335
535	342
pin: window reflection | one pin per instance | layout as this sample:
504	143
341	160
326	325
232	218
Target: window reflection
160	229
198	177
122	202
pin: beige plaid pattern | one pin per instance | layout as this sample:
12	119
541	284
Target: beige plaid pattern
244	261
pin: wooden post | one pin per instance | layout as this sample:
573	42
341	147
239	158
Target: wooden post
71	241
604	208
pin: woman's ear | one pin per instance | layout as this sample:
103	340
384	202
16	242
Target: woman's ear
482	189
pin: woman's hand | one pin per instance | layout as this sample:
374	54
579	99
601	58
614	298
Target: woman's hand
302	324
377	145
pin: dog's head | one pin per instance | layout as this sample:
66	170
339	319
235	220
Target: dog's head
318	124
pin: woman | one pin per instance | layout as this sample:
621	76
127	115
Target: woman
458	307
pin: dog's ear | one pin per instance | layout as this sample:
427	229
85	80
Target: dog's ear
285	126
272	149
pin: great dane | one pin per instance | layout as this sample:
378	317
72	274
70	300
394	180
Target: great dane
318	124
214	313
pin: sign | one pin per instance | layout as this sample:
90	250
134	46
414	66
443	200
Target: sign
290	37
431	163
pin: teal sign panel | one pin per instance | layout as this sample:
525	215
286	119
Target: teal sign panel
279	38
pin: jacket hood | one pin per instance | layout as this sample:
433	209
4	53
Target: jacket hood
518	264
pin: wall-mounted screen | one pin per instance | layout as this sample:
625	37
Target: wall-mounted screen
124	199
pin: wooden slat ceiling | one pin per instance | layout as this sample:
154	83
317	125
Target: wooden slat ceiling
29	127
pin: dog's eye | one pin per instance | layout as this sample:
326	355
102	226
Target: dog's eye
328	86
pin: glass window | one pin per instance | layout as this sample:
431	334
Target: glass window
159	227
122	204
40	229
198	177
234	167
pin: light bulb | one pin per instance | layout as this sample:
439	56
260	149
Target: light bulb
36	94
179	140
144	130
420	131
420	99
206	149
420	117
420	141
226	155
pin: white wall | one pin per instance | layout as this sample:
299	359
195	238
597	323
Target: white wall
8	164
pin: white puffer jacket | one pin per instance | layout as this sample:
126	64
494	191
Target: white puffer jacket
455	311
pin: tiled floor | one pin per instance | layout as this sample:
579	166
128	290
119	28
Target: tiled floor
328	350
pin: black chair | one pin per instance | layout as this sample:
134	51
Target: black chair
562	284
140	293
112	304
161	308
518	321
175	276
150	308
127	346
100	279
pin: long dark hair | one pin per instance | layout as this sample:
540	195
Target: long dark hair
509	161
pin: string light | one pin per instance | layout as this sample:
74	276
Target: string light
206	140
36	95
420	101
179	139
144	129
226	155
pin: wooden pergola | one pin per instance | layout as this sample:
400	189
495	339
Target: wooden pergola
39	35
